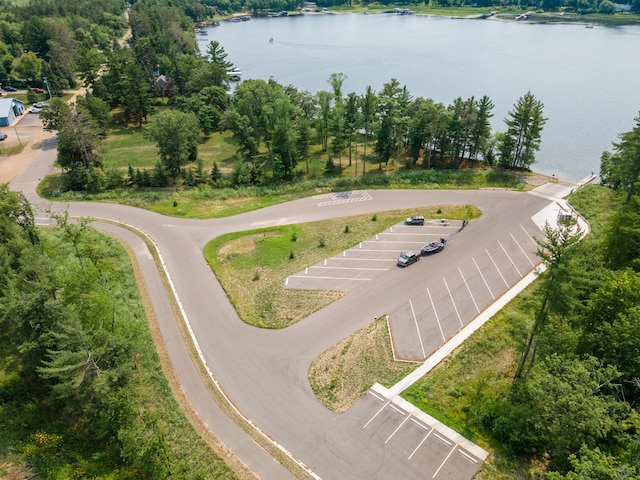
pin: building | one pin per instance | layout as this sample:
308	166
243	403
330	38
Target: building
10	108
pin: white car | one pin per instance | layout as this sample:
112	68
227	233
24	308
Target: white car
40	104
34	110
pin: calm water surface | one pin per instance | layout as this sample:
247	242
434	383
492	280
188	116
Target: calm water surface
587	78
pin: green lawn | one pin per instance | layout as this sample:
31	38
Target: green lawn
126	146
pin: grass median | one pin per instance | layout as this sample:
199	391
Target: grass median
252	266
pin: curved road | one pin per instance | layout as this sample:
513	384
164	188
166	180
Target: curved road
264	372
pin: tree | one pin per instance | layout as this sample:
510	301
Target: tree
554	252
89	62
609	328
176	135
324	118
352	120
522	138
27	67
369	109
570	403
621	169
336	80
390	112
78	144
481	130
284	138
622	241
217	56
303	139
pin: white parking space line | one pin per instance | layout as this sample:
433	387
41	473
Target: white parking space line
469	290
512	262
406	241
442	439
350	268
467	456
483	279
397	428
396	409
415	321
420	444
444	339
443	462
376	414
453	302
328	278
495	265
530	237
374	249
376	396
369	259
522	250
424	427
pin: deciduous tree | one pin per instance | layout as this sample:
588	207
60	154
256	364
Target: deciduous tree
176	135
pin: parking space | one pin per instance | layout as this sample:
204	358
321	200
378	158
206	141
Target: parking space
466	288
411	445
370	258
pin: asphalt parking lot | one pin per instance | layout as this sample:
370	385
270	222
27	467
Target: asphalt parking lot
402	442
457	286
370	258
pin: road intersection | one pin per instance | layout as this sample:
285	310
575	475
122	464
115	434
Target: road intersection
264	372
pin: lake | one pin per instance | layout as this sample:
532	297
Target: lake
587	78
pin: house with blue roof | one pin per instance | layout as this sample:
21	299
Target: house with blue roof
10	108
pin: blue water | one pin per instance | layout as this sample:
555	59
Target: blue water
587	78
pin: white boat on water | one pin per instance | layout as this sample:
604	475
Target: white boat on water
234	74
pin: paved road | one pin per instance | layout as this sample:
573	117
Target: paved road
264	372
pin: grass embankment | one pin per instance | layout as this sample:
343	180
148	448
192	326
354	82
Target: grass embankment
252	266
345	371
38	440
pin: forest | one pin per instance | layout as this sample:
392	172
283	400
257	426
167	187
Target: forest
71	346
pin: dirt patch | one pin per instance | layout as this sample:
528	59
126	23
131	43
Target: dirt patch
31	139
533	180
241	246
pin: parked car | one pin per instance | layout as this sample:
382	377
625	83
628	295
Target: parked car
40	104
34	110
37	90
9	88
408	258
2	136
415	220
432	247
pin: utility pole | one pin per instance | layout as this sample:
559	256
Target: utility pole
46	84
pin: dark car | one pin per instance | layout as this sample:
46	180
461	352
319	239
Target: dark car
2	136
432	247
9	88
408	258
415	220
